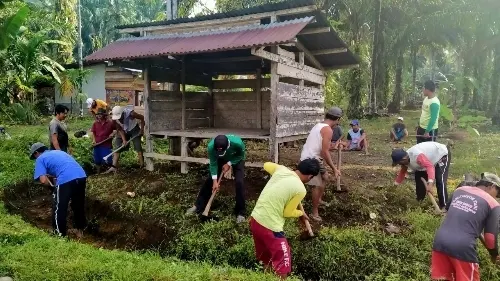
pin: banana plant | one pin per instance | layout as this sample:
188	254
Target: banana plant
11	27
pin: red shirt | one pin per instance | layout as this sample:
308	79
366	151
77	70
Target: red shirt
102	130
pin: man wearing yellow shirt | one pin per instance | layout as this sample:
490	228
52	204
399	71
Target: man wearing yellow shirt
95	104
429	119
279	200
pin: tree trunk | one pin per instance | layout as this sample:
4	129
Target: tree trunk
495	82
395	106
375	56
355	110
414	50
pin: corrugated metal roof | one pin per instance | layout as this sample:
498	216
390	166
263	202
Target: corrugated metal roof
198	42
272	7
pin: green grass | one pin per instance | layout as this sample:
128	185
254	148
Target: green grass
349	247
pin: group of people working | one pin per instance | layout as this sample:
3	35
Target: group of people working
469	211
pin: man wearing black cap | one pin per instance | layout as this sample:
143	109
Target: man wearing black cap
224	152
429	160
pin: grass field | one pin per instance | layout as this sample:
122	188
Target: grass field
148	237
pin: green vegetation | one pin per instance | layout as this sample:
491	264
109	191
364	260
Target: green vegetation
154	219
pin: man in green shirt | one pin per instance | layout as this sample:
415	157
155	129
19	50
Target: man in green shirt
429	119
279	200
224	152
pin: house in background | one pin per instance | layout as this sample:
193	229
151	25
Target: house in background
115	85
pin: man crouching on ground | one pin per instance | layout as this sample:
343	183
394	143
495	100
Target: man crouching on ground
70	183
279	200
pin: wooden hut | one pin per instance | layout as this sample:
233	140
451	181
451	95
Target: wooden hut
284	47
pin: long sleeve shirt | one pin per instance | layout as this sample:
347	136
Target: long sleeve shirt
234	153
280	198
471	211
422	161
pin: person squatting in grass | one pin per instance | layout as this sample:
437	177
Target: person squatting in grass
427	129
224	152
429	160
318	146
356	138
398	131
58	130
279	200
471	210
102	129
127	121
69	184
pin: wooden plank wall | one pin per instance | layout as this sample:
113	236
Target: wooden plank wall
239	109
166	110
299	109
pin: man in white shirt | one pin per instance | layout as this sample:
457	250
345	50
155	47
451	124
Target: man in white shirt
318	146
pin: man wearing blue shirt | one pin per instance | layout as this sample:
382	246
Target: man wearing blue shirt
69	184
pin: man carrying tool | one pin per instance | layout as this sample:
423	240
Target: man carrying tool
69	184
429	160
472	211
102	134
95	104
427	129
318	146
224	152
58	131
279	200
126	121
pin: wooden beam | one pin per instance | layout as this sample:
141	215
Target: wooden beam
288	71
301	61
329	51
194	159
260	52
147	116
309	56
183	91
285	53
222	60
216	22
314	30
273	112
240	83
258	93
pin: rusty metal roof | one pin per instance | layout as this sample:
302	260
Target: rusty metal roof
201	42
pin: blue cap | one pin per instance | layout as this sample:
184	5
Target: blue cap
355	122
397	155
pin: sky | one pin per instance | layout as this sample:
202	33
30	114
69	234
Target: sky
210	4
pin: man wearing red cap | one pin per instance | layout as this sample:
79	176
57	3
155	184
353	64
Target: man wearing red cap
429	160
224	152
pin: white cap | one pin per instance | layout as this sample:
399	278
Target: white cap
116	113
89	102
400	118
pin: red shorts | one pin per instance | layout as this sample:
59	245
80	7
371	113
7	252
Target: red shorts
271	248
444	267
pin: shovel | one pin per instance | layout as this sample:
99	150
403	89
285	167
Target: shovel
204	216
339	161
309	234
105	158
101	142
433	200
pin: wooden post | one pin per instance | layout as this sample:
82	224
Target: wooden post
211	107
149	144
273	142
258	93
184	141
301	61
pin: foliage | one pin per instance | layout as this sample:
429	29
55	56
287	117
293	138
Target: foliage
11	26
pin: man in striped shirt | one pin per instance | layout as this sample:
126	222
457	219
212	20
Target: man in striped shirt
471	211
429	160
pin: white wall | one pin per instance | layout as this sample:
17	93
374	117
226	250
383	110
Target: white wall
93	88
